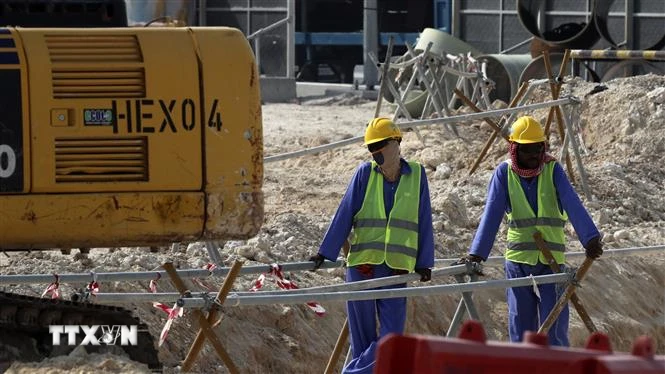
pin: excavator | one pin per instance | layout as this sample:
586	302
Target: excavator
117	136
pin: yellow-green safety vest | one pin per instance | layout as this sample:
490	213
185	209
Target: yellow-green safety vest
393	240
523	222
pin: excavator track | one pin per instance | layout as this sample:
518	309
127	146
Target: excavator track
25	336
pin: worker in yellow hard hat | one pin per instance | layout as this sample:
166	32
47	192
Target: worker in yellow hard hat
387	204
535	193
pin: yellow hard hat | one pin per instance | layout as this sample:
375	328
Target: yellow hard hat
526	130
381	128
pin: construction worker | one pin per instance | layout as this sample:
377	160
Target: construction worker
387	203
535	193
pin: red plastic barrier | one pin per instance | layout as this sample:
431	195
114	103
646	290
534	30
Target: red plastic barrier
642	361
470	353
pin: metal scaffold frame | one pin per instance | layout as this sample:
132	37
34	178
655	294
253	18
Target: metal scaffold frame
204	307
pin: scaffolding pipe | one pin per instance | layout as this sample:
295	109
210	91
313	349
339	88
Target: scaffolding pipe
150	275
233	300
426	122
578	158
110	297
499	260
600	54
268	28
255	269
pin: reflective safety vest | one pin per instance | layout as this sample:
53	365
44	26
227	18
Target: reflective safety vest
393	240
523	222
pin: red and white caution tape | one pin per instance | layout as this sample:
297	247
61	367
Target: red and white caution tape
153	284
278	278
53	288
153	289
174	313
210	267
93	286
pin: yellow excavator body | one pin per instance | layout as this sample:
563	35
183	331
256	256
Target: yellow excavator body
128	137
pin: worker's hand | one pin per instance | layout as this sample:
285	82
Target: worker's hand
594	248
425	274
468	258
318	260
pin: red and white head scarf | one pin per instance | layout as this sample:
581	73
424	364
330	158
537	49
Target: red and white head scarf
528	173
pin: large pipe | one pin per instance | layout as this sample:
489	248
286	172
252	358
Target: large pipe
629	68
443	43
505	71
601	16
568	35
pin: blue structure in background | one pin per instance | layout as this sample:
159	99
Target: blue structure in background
328	51
441	11
442	15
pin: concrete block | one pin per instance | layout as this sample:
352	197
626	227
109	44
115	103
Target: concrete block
278	89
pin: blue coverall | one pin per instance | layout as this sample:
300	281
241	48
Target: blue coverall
391	312
526	312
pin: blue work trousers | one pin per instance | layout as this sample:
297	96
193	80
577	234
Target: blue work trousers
526	311
363	315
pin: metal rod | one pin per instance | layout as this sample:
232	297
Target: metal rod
215	257
488	114
420	67
600	54
491	261
255	269
426	122
578	159
233	300
564	146
399	98
468	301
554	89
371	283
109	297
268	28
394	92
457	319
512	48
607	253
321	148
150	275
384	77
